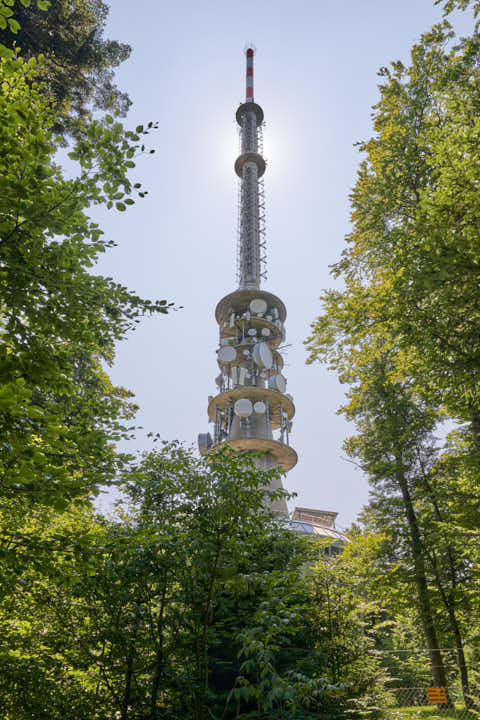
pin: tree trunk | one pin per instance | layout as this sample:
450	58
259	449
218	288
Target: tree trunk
436	660
475	416
159	657
452	618
449	600
462	665
129	671
204	666
128	684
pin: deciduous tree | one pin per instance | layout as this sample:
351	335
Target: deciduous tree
78	63
60	416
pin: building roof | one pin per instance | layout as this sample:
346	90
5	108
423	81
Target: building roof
325	518
308	528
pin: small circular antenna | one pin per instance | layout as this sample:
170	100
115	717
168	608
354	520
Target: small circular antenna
243	408
227	354
258	306
260	407
277	382
250	49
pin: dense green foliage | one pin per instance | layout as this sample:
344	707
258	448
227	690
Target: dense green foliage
78	63
59	412
193	602
404	334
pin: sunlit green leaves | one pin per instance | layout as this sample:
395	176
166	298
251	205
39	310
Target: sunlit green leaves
403	331
59	321
411	266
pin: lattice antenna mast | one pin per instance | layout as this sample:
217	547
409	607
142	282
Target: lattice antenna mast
250	167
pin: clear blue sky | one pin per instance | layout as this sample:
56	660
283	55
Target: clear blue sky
316	79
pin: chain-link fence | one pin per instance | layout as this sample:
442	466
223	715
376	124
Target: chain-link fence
413	703
410	690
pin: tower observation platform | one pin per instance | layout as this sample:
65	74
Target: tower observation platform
251	410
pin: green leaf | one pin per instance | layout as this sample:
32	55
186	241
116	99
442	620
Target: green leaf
14	25
120	206
5	52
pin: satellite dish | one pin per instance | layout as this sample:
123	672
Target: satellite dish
262	355
265	332
204	443
252	332
227	354
277	382
243	408
259	407
258	306
219	380
269	318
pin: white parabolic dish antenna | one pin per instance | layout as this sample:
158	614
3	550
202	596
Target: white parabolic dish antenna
259	407
262	355
227	354
258	306
277	382
243	408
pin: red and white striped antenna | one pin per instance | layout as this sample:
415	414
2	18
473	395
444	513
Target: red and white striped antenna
249	52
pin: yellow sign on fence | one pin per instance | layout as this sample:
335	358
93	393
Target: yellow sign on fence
436	695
